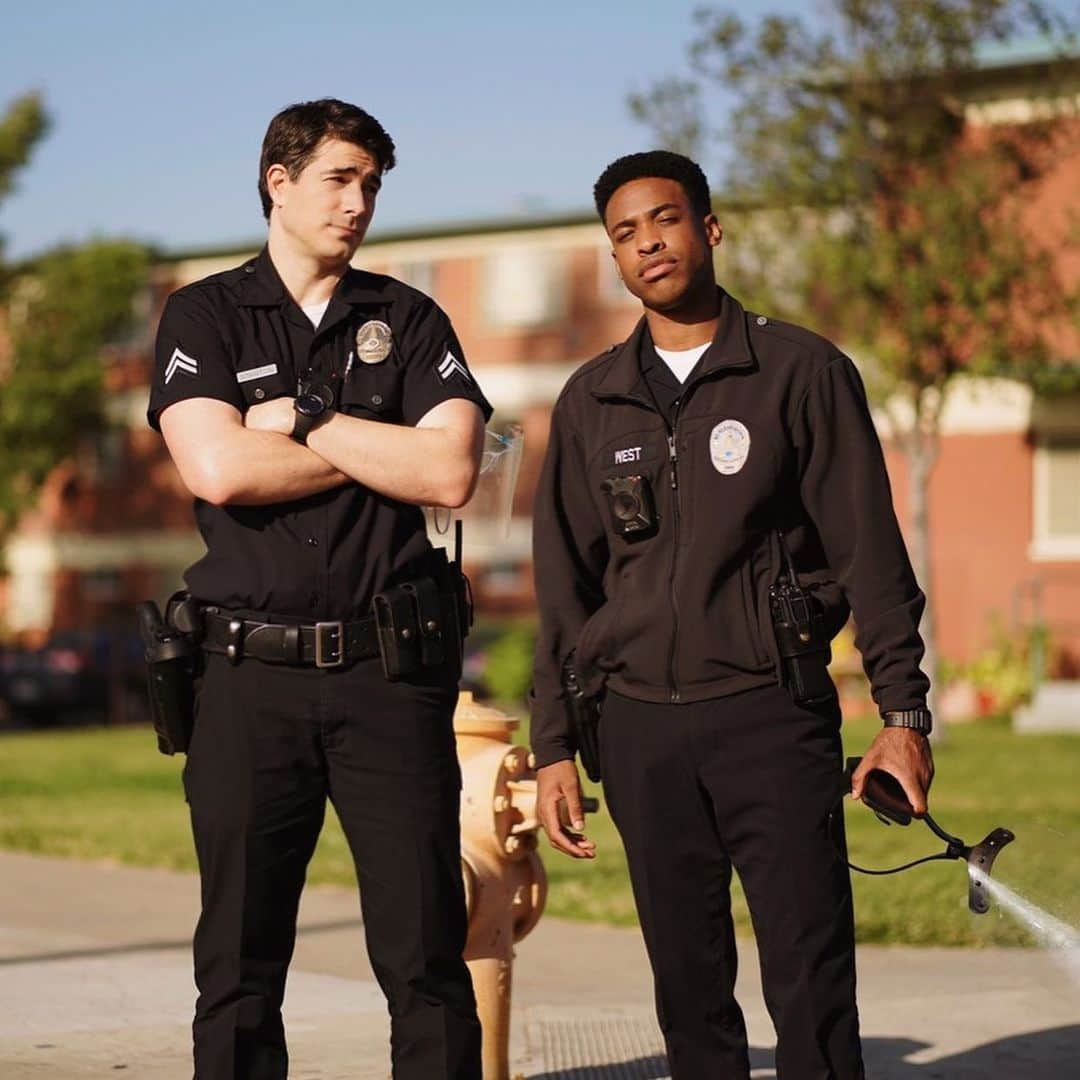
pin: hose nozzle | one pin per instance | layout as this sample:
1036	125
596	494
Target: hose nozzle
980	861
883	794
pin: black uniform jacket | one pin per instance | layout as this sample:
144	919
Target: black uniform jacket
773	431
240	338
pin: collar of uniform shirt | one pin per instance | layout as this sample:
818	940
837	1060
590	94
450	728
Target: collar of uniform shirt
261	285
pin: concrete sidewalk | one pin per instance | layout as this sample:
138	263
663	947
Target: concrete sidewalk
96	981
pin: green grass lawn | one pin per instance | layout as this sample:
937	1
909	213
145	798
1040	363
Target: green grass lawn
108	794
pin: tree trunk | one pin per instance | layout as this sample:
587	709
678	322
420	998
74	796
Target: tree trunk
921	448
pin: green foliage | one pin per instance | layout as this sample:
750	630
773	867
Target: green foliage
1006	669
22	126
58	314
509	662
61	312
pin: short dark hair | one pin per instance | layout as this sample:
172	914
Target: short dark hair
662	163
296	132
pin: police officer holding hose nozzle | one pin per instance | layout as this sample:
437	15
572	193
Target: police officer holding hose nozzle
713	502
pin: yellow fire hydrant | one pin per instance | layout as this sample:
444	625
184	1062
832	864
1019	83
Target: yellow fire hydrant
505	883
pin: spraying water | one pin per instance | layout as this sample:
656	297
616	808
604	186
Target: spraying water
1048	931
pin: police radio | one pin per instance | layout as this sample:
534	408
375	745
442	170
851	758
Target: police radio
801	637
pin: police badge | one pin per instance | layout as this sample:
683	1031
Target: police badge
374	341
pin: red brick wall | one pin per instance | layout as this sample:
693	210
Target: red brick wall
981	515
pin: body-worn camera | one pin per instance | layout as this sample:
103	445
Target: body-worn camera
630	501
801	636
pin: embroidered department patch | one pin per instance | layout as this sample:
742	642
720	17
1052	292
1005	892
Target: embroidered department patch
450	364
729	446
180	361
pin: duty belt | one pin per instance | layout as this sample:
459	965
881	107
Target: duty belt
322	644
413	625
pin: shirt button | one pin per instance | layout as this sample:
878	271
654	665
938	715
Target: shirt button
761	320
376	399
260	393
312	542
249	269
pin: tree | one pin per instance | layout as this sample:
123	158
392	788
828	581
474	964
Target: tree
61	313
58	313
22	127
899	225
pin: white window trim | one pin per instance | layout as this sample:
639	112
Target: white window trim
1045	548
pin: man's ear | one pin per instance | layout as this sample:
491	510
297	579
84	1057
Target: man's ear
277	176
714	232
618	272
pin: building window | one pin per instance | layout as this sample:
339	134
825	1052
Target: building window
524	287
1057	498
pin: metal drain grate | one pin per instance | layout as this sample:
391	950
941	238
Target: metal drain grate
603	1046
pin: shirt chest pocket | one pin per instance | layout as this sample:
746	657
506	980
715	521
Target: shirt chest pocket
260	381
373	393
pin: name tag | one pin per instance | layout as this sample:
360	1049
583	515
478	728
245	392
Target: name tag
256	373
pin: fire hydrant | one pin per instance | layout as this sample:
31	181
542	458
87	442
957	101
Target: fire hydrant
505	882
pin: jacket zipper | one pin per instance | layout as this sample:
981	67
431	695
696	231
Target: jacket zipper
673	460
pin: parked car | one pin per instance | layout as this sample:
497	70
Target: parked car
79	676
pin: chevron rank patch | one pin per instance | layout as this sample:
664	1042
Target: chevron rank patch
449	365
180	361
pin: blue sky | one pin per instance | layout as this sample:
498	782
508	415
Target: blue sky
497	108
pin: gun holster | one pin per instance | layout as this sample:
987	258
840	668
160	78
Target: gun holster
171	651
584	720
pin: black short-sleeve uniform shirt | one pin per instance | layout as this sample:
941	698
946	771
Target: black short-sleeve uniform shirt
240	338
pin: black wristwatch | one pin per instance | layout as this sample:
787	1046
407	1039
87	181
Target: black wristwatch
919	720
312	405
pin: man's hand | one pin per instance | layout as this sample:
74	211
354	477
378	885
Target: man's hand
277	416
558	788
906	755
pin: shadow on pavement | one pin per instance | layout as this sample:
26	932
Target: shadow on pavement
1038	1055
158	946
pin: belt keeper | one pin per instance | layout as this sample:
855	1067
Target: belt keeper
234	650
290	644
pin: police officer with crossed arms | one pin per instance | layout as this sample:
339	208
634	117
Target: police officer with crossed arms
312	409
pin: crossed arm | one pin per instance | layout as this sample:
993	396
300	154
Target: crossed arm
228	459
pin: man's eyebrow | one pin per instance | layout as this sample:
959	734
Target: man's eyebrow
648	213
352	170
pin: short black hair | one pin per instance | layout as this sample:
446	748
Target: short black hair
296	132
662	163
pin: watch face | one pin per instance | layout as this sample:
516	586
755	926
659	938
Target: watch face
310	405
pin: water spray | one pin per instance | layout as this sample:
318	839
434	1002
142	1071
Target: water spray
883	794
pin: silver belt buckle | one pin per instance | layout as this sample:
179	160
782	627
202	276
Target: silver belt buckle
327	655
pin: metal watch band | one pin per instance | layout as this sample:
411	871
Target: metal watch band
919	720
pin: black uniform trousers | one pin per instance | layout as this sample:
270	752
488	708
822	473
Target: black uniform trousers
747	782
270	745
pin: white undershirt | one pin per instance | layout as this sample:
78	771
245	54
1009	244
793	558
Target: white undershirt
315	312
682	361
